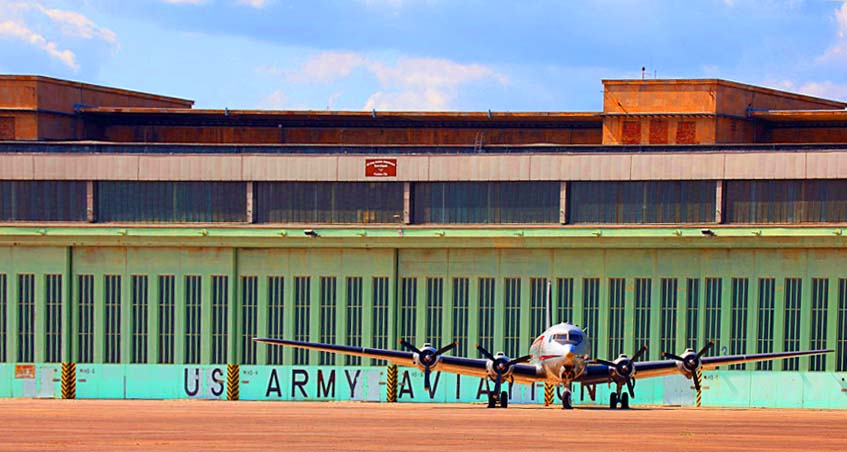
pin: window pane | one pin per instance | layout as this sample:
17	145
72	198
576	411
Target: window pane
328	202
193	297
220	303
617	300
460	315
765	325
42	201
354	318
249	318
380	316
328	303
738	325
302	298
276	309
166	319
85	301
139	319
642	202
168	202
512	317
26	318
53	322
486	202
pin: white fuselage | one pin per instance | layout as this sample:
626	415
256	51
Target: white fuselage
562	351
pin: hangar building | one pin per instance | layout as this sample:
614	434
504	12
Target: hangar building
147	242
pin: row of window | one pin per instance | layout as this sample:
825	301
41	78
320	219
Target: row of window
644	202
187	310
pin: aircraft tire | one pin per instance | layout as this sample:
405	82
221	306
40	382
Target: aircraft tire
492	401
625	401
613	401
567	401
504	399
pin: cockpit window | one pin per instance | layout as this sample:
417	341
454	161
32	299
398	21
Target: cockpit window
571	337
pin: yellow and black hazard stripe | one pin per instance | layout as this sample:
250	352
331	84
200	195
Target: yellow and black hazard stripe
232	376
391	384
68	380
548	394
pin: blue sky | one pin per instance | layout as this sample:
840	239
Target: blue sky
531	55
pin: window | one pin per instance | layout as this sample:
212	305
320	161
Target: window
486	202
460	315
329	202
486	313
3	322
328	303
738	325
53	322
26	318
138	286
85	353
570	338
302	297
786	201
591	308
193	296
643	293
112	318
169	202
354	317
42	201
692	314
166	313
564	300
793	297
220	302
249	318
841	344
434	310
713	314
667	202
820	302
380	316
764	338
408	309
512	325
669	307
276	308
537	306
617	300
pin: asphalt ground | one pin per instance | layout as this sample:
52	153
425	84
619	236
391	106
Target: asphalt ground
110	425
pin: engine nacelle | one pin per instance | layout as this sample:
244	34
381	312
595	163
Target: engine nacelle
426	357
499	365
689	363
622	368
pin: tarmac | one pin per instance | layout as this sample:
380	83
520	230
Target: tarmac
109	425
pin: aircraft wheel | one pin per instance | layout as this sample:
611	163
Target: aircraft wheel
504	399
567	402
492	401
613	401
625	401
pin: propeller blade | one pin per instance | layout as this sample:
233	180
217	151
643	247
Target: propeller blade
426	378
671	355
639	352
411	347
522	359
484	352
446	348
630	386
603	361
705	348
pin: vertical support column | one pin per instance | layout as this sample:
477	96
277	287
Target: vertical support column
233	317
249	202
719	202
563	202
89	201
407	203
67	308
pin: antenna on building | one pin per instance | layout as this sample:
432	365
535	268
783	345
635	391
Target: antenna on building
643	71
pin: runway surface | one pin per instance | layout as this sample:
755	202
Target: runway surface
108	425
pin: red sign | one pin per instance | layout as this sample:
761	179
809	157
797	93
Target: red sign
381	168
25	371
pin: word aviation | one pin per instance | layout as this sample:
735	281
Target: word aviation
558	356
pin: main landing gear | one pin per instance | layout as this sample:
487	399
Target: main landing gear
614	398
567	398
502	399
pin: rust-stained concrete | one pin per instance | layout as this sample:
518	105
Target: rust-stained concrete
101	425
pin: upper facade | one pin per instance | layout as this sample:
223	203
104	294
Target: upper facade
635	112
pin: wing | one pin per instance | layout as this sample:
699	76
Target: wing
523	373
599	373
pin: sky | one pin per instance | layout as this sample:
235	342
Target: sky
467	55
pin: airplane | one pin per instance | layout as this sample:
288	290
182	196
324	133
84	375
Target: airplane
559	356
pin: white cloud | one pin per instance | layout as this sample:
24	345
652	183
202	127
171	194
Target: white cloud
826	89
407	84
275	101
11	29
258	4
77	25
838	50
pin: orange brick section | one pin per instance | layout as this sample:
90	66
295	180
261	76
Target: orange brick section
631	132
686	132
658	131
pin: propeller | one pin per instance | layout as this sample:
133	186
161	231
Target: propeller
500	366
691	362
427	357
625	369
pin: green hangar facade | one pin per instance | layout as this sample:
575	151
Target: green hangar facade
147	265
